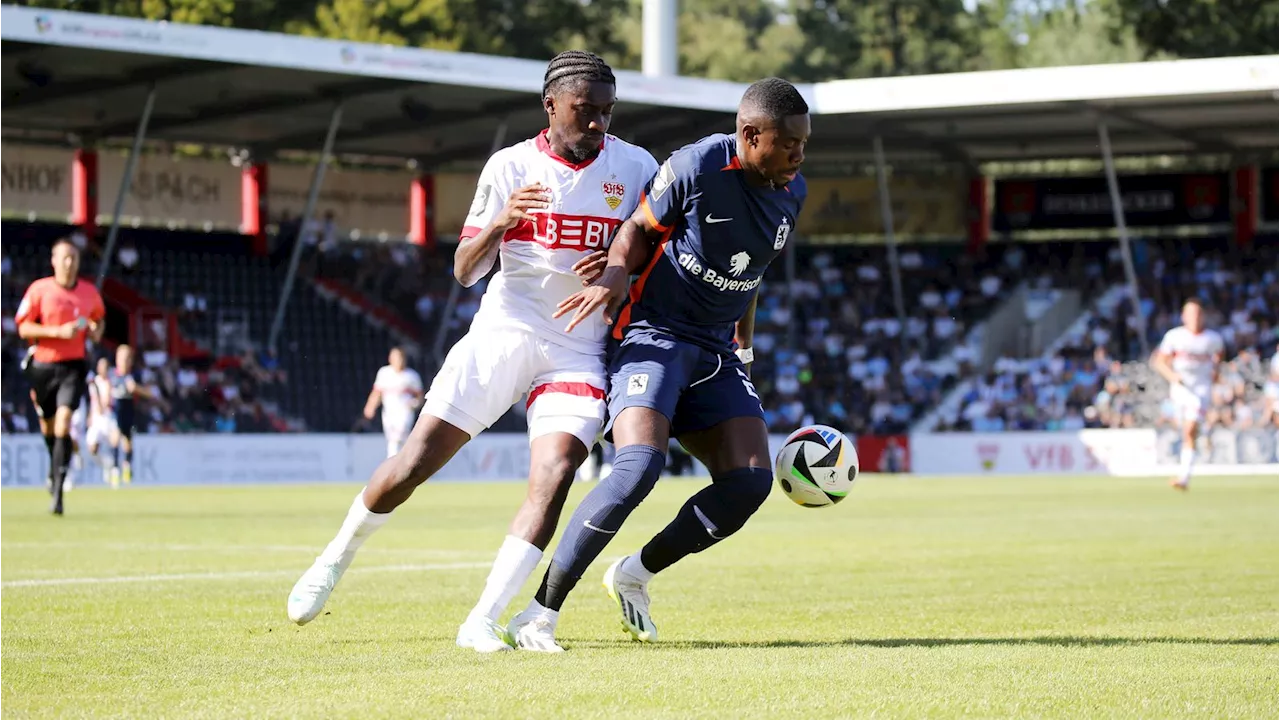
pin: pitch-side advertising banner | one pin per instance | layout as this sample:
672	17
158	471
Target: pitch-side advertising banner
373	202
923	206
36	180
167	190
213	459
1086	452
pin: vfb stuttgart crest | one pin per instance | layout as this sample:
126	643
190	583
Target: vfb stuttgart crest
613	192
784	230
987	455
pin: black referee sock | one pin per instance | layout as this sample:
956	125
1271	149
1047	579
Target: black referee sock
61	458
48	445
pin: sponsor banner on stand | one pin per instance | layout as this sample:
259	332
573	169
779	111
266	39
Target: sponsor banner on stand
923	206
1085	202
1140	452
37	180
172	191
374	203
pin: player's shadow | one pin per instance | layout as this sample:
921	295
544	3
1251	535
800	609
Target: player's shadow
1041	640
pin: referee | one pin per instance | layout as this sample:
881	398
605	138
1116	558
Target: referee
56	316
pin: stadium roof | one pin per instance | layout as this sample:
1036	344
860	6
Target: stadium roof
72	77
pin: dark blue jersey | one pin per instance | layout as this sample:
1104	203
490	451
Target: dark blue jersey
719	235
121	397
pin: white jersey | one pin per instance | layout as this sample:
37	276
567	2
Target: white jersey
1193	356
400	391
589	201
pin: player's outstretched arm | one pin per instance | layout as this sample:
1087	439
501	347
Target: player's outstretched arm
631	248
475	256
371	405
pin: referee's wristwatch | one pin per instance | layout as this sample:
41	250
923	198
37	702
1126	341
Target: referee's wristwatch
746	355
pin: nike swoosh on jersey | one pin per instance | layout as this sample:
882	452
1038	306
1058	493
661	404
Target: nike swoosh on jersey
713	220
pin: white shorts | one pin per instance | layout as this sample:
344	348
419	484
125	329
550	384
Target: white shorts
490	369
396	426
1191	404
100	429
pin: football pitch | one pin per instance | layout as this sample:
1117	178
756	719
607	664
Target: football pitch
916	597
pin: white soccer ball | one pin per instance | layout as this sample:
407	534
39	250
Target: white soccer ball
816	466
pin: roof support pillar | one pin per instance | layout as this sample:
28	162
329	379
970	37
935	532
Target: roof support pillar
126	183
891	242
308	211
1122	230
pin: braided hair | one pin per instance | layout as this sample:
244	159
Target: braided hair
573	65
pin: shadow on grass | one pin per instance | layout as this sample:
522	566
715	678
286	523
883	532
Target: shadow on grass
1041	640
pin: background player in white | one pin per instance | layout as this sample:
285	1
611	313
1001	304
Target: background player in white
1189	357
398	388
102	422
545	207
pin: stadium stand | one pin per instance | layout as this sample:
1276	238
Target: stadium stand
1095	376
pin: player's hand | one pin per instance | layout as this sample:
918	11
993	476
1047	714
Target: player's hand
67	331
590	267
530	197
605	294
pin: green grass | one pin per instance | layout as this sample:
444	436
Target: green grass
914	598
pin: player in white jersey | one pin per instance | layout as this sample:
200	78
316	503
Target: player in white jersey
102	421
545	208
1188	358
399	390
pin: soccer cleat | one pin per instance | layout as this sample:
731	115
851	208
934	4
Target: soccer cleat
127	475
483	635
632	597
113	477
312	590
535	632
1177	484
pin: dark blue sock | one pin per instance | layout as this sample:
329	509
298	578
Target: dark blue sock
635	471
713	514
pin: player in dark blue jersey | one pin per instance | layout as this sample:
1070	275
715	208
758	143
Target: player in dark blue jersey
713	218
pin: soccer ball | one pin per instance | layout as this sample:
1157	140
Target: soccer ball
816	466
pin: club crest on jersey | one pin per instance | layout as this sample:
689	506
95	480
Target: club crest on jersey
481	200
613	192
784	230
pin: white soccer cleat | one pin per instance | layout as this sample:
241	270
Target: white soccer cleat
632	597
312	590
483	635
534	631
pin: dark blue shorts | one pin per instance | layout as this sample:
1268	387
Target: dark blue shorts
693	387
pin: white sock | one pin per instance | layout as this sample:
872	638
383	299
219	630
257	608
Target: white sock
536	608
1188	459
359	525
632	566
515	563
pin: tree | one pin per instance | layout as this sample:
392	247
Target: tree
1199	28
851	38
724	39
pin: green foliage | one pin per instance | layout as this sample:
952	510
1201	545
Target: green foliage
1199	28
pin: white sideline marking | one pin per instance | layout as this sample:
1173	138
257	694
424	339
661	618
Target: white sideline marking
43	582
229	548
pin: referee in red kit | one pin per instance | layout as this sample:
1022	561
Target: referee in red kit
57	315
